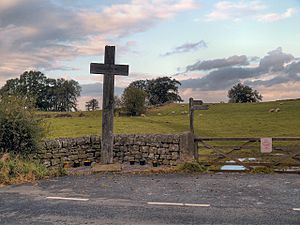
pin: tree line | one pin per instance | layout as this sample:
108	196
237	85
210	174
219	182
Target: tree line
48	94
61	95
142	93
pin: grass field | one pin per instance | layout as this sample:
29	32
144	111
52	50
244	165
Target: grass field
221	120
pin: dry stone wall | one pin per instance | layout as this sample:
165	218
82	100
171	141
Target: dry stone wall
165	149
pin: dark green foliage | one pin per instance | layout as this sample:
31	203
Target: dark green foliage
140	84
49	94
65	95
159	91
133	100
20	129
92	105
242	93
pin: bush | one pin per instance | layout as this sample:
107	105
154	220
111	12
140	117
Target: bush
20	129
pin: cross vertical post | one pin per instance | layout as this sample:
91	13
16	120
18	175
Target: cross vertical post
108	109
109	69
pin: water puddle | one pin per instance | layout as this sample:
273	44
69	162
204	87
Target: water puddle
237	167
233	167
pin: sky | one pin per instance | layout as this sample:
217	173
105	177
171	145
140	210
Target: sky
208	46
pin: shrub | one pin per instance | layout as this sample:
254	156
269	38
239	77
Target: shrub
192	167
20	129
17	170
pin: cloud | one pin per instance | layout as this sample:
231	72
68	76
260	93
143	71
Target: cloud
187	47
275	68
275	61
219	63
272	17
236	11
226	10
42	35
218	79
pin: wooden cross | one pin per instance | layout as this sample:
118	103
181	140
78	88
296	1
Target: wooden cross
195	105
109	69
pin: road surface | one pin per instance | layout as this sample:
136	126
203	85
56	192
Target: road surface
225	199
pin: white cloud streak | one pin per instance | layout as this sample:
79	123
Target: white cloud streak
236	11
272	17
226	10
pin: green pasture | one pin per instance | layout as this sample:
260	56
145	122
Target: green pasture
221	120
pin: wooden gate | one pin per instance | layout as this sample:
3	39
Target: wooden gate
247	154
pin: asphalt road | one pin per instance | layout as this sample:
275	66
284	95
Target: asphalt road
155	199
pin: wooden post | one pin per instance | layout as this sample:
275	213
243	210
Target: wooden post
108	109
109	69
195	105
191	112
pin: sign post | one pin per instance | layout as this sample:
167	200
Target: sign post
195	105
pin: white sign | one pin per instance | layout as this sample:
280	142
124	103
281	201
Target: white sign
266	145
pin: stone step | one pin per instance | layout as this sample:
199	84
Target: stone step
99	168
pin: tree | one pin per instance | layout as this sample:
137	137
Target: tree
31	84
160	90
133	100
49	94
92	105
118	102
242	93
66	95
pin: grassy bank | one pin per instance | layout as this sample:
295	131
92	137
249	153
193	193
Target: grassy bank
16	170
221	120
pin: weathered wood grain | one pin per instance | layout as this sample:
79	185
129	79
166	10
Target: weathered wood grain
109	69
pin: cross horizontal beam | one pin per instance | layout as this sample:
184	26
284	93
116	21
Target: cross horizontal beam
109	69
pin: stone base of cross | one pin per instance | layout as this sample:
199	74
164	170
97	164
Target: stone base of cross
109	69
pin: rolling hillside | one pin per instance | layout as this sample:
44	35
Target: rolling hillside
221	120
